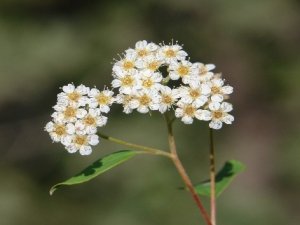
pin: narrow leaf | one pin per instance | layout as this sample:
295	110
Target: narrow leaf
98	167
223	178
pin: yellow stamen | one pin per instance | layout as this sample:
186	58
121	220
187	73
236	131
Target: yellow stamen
148	83
142	53
167	99
102	99
217	114
170	53
74	96
153	66
215	90
70	112
145	100
89	120
194	93
183	71
60	130
127	80
80	140
190	110
128	65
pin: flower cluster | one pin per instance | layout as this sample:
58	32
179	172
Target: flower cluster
77	115
139	78
149	77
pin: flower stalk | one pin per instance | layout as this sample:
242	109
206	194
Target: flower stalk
182	171
212	178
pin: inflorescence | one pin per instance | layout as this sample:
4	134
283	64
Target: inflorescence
149	77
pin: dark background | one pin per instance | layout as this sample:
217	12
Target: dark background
47	44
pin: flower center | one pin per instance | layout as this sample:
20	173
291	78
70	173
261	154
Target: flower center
194	93
203	70
127	80
218	114
60	130
167	99
145	100
80	140
89	120
74	96
215	90
70	112
148	83
128	65
153	66
142	53
170	53
190	110
103	99
183	71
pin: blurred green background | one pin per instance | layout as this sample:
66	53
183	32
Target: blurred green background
45	44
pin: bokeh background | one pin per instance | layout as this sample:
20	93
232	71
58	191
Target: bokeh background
46	44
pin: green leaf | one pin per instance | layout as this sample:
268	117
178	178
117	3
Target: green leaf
98	167
223	178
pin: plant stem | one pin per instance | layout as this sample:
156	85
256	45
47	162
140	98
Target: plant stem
183	173
212	178
145	149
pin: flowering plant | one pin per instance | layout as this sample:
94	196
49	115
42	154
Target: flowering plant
148	78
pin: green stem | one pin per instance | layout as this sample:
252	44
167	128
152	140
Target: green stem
145	149
212	178
182	171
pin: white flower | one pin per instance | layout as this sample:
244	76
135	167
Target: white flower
171	53
59	131
127	82
73	95
150	62
145	100
126	101
219	114
82	143
142	49
67	114
182	69
187	113
196	95
168	98
125	64
104	99
204	71
218	91
150	80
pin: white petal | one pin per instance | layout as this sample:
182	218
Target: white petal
81	113
101	121
71	148
93	140
214	106
85	150
69	88
210	66
226	107
67	140
228	119
173	75
187	120
179	112
217	98
203	115
94	92
227	89
205	89
70	128
143	109
215	124
49	126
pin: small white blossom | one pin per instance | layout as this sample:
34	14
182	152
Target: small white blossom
150	80
183	70
218	91
127	82
102	99
219	114
168	98
73	95
196	95
142	49
204	72
187	112
82	143
150	62
145	100
125	64
171	53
